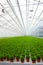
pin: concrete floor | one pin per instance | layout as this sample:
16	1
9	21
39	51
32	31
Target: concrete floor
19	63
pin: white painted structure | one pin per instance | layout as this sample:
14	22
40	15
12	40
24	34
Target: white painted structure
20	17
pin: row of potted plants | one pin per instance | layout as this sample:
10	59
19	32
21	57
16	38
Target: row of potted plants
10	50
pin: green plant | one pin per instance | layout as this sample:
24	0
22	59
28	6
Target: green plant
27	53
33	58
15	47
22	57
17	56
38	56
1	56
11	57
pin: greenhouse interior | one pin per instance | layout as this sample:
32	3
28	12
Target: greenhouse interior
21	32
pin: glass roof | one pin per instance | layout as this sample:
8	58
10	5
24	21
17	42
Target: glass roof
20	17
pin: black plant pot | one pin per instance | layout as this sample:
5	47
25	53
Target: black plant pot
11	60
33	61
38	59
27	59
42	59
1	59
7	59
17	59
22	60
4	58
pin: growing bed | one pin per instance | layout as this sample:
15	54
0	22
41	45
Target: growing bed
21	47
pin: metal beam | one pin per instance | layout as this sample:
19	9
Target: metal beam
9	15
8	22
38	17
27	14
7	28
12	8
36	10
37	24
20	13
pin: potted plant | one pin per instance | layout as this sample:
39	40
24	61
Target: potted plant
33	59
14	54
1	57
27	58
42	55
27	54
22	58
38	57
33	56
17	57
7	57
11	58
4	57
